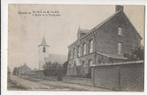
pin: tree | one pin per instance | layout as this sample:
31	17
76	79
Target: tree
139	53
59	72
65	67
51	69
47	68
15	71
136	54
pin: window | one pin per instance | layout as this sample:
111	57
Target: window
90	62
74	64
84	49
91	46
120	31
74	52
119	48
83	62
79	51
70	54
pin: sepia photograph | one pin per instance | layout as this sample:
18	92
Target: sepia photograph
75	47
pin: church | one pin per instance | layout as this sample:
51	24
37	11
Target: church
47	57
107	42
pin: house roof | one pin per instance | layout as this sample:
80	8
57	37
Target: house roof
107	20
102	23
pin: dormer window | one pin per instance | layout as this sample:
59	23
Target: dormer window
119	31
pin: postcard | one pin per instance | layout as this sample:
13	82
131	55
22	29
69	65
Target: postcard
75	47
67	48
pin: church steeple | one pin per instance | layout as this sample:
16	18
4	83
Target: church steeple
43	53
43	43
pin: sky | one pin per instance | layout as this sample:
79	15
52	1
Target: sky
25	32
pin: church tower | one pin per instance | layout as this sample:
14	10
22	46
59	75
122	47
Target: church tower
119	8
43	53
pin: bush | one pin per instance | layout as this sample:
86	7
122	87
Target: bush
53	69
136	54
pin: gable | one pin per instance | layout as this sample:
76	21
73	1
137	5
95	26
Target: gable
114	21
130	24
120	19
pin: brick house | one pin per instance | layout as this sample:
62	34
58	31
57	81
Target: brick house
105	43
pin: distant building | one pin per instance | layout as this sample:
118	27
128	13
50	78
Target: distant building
107	42
24	70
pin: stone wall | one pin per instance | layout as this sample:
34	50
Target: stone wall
124	77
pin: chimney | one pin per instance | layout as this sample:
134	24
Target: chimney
118	8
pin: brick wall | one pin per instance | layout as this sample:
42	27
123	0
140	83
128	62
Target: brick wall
107	36
125	77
